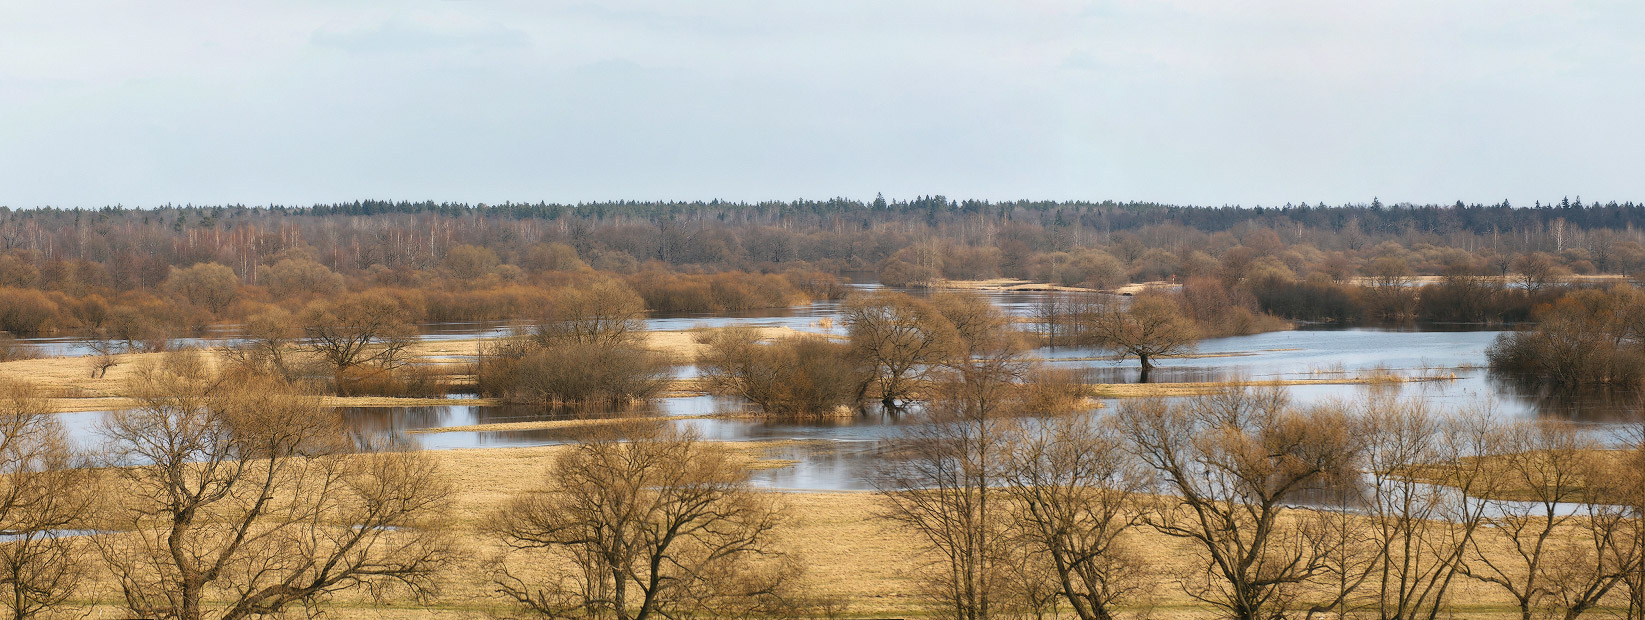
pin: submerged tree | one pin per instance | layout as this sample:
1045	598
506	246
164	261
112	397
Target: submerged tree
901	340
1149	328
800	376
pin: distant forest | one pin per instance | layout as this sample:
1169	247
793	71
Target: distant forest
124	249
192	266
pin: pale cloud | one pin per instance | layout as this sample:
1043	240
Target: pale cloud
424	33
1174	100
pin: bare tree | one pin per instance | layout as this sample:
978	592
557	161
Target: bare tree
1628	488
1538	270
900	339
1149	328
1423	525
1075	489
585	350
1532	549
944	486
270	339
208	285
240	497
103	353
980	328
44	490
605	313
364	328
652	522
1231	463
1391	295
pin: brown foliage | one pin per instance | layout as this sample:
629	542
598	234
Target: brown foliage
1586	337
614	375
26	312
208	285
300	278
802	376
721	292
607	312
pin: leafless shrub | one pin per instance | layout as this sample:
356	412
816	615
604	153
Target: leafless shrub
802	376
208	285
605	313
573	374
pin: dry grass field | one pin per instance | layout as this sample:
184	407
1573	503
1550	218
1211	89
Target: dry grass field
849	553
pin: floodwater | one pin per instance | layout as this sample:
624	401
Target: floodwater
844	454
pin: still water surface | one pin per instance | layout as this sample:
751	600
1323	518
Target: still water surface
843	454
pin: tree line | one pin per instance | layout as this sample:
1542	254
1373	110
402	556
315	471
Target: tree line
62	269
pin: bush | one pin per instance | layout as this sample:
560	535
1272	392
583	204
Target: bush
570	373
497	304
802	376
26	312
1312	300
816	284
300	277
208	285
405	382
721	292
1583	339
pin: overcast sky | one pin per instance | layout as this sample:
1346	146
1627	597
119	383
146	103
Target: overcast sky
1204	102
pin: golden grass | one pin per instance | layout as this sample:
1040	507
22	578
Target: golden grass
848	552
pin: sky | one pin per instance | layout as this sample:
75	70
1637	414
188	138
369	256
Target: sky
1258	102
